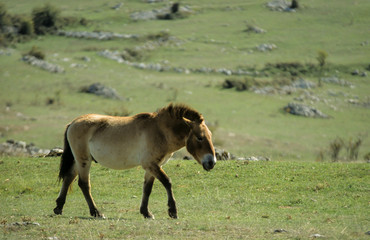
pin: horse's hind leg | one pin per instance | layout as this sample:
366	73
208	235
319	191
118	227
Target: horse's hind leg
147	189
83	166
67	181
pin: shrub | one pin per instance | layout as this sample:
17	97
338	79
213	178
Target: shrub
321	57
334	148
26	27
36	52
131	54
45	18
353	148
4	17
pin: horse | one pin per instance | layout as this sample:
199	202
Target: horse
146	139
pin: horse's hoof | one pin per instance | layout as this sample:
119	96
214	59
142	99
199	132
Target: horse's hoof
172	215
149	216
95	213
58	211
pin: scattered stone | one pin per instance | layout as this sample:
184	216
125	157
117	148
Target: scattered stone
254	29
117	56
5	52
86	59
279	5
303	84
317	235
258	158
285	89
355	72
303	110
221	154
96	35
280	231
101	90
50	67
55	152
78	65
20	148
118	6
337	81
163	13
266	47
367	233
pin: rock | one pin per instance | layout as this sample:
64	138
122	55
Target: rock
221	154
264	47
355	72
304	84
50	67
278	5
303	110
280	231
6	52
254	29
258	158
118	6
86	59
101	90
20	148
337	81
96	35
316	235
55	152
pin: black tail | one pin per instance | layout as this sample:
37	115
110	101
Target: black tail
67	159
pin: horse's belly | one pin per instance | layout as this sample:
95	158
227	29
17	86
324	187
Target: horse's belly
117	157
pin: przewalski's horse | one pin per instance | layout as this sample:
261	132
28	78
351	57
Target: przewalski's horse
146	139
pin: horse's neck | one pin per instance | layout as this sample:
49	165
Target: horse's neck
176	132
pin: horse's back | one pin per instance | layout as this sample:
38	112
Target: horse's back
114	142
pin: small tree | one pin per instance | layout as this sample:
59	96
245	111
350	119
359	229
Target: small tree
321	58
45	18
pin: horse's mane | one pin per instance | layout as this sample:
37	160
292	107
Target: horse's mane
179	111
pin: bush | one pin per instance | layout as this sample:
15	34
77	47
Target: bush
321	57
26	27
334	148
36	52
4	17
45	19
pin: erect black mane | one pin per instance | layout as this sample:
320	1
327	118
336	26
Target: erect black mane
181	110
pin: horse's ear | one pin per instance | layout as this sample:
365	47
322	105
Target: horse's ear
188	122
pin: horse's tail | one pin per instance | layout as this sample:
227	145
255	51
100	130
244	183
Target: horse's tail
67	159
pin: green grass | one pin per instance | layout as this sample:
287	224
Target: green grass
213	36
235	200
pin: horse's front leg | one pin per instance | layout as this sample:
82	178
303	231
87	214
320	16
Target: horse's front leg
158	173
147	190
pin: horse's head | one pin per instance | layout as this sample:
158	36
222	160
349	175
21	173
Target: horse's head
199	144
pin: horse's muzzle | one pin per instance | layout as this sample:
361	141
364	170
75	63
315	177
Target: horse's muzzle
208	161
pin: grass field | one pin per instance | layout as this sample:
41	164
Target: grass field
236	200
212	36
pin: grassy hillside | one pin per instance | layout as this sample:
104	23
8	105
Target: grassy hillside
236	200
212	36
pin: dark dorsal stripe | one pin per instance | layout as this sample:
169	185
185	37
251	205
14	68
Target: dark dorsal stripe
181	110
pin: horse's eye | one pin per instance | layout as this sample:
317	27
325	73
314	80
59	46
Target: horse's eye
199	139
